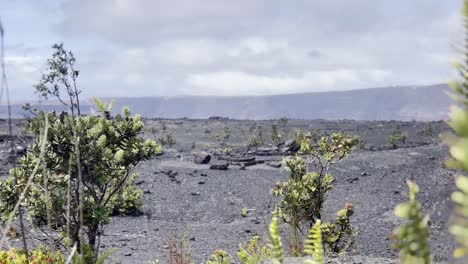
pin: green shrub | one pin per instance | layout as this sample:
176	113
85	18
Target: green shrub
167	135
397	137
223	141
256	136
275	136
129	200
339	236
224	136
112	150
220	257
86	162
244	212
428	130
37	256
304	194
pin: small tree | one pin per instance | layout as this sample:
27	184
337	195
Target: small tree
305	192
88	161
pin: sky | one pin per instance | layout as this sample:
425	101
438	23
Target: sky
232	48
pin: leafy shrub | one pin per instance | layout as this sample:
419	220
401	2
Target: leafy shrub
275	136
413	236
256	137
223	141
339	236
220	257
253	253
224	136
38	256
167	135
244	212
88	256
397	137
129	200
112	150
428	130
303	195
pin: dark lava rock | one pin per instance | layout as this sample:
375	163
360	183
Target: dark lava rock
238	159
202	158
18	150
219	166
274	164
290	146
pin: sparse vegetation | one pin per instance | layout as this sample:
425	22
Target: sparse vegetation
179	250
253	253
303	195
38	256
245	212
223	141
275	136
283	125
68	185
256	136
220	257
397	137
166	137
428	131
77	173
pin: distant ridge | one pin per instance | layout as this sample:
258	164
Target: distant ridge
422	103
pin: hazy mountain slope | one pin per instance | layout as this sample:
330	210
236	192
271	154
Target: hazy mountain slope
392	103
395	103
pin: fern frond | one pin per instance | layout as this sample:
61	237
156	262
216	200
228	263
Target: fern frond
313	245
458	144
276	244
413	236
100	104
459	227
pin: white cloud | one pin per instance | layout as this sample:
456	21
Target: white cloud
240	83
222	47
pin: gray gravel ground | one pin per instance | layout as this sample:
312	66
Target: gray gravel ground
208	203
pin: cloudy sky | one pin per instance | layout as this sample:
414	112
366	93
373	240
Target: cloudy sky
235	47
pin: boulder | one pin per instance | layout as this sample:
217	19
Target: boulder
290	146
202	158
274	164
219	166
